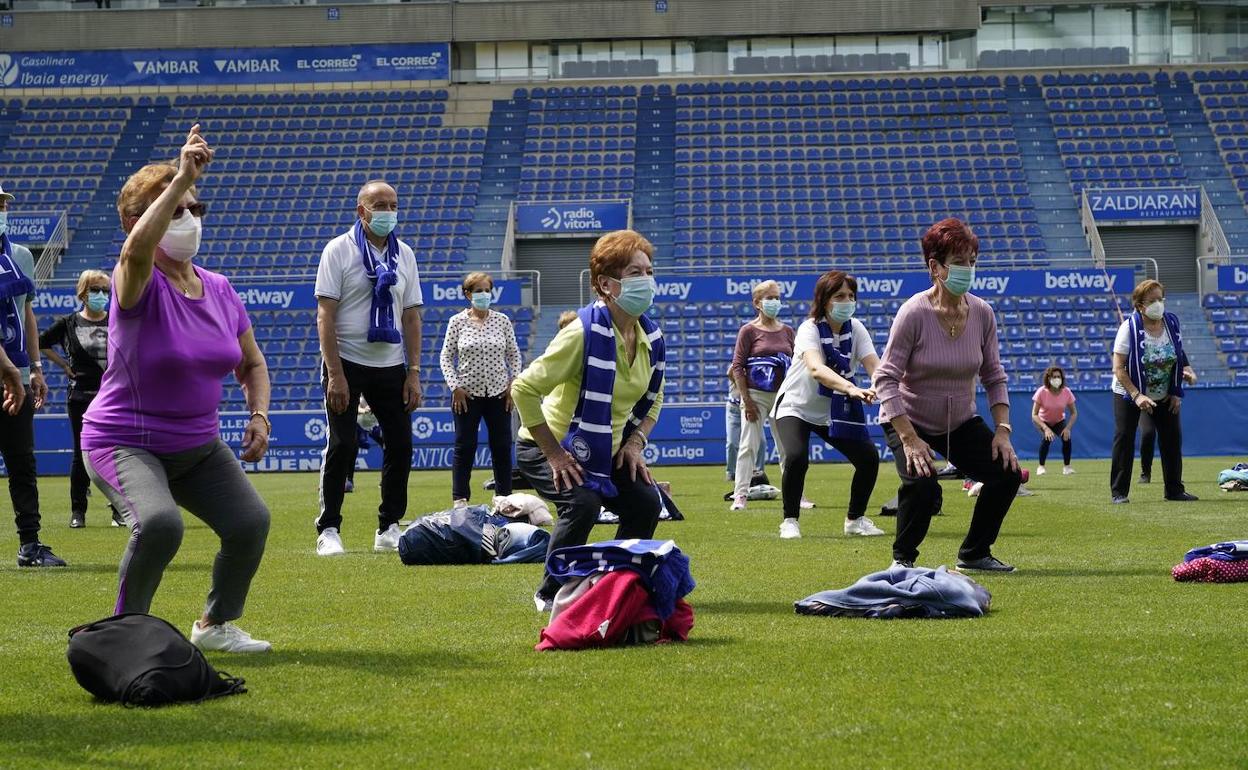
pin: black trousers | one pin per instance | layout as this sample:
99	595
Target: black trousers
794	434
383	388
1148	440
498	428
969	447
1169	441
637	505
1057	429
17	447
79	482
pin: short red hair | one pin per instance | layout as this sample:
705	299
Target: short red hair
948	237
612	253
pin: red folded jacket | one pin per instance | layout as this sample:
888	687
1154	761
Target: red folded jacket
616	609
1206	570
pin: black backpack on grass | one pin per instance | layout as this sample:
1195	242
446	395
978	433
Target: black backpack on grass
141	660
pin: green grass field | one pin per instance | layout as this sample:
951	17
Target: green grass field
1091	657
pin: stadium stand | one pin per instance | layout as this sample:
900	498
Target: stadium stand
804	171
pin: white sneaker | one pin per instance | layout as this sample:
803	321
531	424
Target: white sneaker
974	489
805	504
1068	471
862	526
460	503
789	530
388	540
328	543
738	503
226	637
1040	471
542	603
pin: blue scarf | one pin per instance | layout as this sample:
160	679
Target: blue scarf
13	284
384	274
589	434
849	420
1135	364
767	372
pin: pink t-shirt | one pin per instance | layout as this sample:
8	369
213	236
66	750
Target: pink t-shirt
167	356
1053	405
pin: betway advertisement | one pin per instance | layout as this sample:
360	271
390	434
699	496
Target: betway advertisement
988	283
223	66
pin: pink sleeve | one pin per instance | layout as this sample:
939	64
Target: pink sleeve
991	373
896	358
1036	396
745	339
1070	396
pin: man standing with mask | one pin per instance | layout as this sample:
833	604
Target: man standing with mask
368	320
19	334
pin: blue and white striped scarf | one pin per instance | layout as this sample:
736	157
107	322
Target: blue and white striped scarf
1135	356
13	284
384	274
589	433
849	420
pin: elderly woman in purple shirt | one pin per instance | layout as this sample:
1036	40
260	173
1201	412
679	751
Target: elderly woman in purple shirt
151	438
941	340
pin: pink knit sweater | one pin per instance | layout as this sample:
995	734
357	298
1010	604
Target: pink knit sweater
929	377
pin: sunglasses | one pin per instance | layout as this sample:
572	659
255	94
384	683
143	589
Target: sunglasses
197	210
103	292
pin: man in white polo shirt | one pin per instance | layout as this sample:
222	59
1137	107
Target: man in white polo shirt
370	345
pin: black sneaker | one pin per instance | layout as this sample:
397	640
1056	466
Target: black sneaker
118	521
986	564
37	554
77	520
1119	500
1145	478
1182	497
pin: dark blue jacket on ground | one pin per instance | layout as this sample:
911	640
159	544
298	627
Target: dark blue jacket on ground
468	536
903	593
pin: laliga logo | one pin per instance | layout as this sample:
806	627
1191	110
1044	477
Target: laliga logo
316	429
8	69
422	428
580	449
650	454
553	221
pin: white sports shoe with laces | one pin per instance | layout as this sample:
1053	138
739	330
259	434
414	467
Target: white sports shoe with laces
328	543
226	637
388	540
862	526
789	530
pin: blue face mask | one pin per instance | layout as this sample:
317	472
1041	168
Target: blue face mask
383	223
4	222
842	311
770	307
636	294
481	300
959	279
97	301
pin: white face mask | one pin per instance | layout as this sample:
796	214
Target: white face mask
1155	310
1055	382
181	241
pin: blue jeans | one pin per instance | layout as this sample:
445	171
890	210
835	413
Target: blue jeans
732	424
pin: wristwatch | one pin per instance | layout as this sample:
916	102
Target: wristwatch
1008	428
36	366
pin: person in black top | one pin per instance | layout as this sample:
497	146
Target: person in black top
83	336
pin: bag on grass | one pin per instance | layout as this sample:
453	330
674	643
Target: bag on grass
141	660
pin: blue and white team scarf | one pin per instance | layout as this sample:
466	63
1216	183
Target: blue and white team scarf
765	373
13	284
849	420
1232	550
589	433
384	274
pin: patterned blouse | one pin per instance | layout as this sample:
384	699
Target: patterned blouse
479	356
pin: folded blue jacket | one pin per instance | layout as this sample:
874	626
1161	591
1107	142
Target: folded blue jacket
467	536
1232	550
903	593
664	569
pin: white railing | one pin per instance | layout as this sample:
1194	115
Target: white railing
1211	227
508	259
58	241
1090	231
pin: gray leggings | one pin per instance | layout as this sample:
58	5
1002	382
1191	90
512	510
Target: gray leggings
209	482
